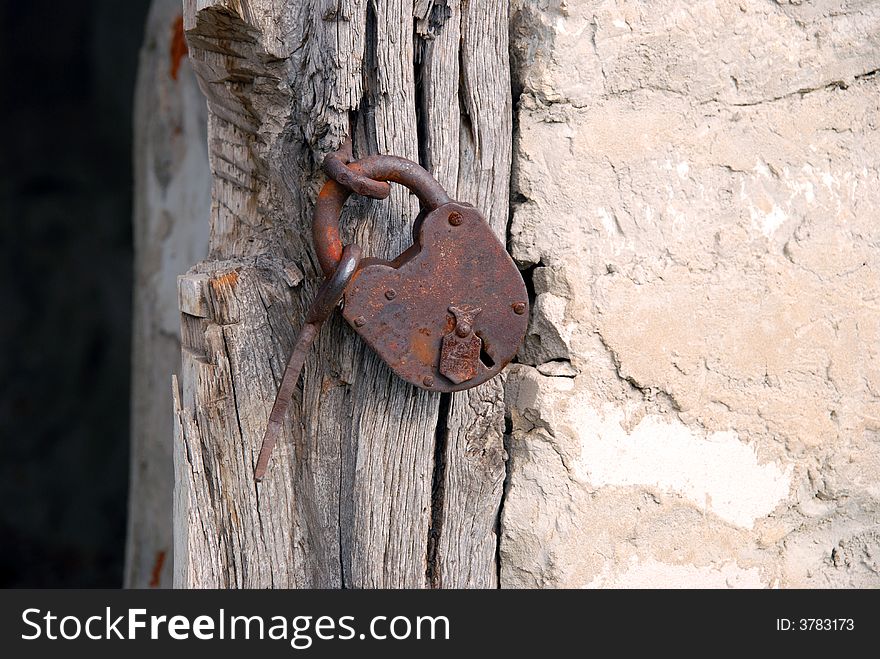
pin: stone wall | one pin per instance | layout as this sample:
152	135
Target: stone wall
696	194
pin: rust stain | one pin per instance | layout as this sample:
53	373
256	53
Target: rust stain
327	383
424	348
155	577
229	279
178	46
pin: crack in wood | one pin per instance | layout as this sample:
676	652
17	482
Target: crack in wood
433	572
371	79
508	431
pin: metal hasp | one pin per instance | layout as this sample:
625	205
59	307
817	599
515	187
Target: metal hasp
447	314
402	308
328	297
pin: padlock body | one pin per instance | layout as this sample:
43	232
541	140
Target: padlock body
402	308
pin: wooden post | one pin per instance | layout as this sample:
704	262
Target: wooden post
171	209
374	483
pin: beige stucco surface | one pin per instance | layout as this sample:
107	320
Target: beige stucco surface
697	196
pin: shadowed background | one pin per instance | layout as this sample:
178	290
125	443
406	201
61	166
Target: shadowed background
65	253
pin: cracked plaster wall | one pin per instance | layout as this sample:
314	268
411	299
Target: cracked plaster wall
696	191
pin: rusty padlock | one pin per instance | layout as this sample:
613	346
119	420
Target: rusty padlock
451	311
447	314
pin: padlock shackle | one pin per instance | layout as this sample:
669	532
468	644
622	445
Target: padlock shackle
331	199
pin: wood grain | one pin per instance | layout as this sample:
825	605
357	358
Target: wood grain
374	483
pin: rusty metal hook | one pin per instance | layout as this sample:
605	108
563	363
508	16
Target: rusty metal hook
328	297
331	199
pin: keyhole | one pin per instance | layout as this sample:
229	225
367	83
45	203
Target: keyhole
487	360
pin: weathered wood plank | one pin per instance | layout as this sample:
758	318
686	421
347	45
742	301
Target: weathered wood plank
348	498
